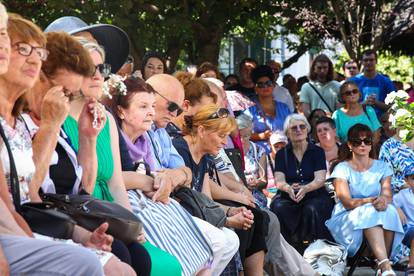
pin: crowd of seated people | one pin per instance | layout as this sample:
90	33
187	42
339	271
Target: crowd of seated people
75	128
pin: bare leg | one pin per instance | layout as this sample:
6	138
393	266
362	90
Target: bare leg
375	238
254	264
388	239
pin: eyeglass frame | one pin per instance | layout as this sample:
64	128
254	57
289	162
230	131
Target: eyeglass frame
104	66
219	114
265	84
358	141
32	48
172	106
300	127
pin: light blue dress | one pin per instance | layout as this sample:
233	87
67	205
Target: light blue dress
346	226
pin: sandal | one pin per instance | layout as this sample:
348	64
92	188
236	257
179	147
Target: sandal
409	270
389	272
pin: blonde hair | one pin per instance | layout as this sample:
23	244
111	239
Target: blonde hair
201	118
3	15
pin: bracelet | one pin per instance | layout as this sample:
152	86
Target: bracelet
228	211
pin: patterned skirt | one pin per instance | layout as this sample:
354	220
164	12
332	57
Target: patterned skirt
171	228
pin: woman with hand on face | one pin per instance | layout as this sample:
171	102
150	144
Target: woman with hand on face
354	112
363	188
267	115
303	205
27	55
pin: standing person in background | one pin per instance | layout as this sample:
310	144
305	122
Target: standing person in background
350	68
268	114
230	81
373	86
290	83
152	64
322	90
280	93
246	85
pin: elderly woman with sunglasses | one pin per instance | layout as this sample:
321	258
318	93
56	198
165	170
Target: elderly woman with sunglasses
354	112
268	114
362	185
303	205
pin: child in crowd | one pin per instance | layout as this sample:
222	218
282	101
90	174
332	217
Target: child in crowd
404	201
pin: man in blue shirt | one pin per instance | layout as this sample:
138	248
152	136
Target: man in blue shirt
373	86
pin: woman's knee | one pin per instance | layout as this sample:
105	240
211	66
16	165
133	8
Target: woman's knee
115	267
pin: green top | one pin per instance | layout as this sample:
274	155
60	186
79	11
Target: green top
104	155
344	122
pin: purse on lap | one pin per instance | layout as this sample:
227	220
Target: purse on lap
42	217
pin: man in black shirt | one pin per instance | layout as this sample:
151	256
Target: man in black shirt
246	85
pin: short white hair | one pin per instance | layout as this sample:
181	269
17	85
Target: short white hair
92	46
295	117
3	15
244	121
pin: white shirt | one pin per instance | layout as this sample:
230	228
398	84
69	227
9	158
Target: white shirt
282	95
404	199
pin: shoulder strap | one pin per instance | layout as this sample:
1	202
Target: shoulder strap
14	180
364	107
320	96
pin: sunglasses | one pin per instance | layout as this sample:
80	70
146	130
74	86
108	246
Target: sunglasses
358	142
26	50
171	106
265	84
104	69
350	92
298	127
219	114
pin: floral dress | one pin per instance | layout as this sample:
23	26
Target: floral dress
399	157
21	146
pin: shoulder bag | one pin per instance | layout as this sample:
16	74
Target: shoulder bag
43	217
320	96
201	206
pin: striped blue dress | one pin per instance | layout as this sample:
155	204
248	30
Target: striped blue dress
171	228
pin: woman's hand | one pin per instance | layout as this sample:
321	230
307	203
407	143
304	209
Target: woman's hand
265	135
141	237
162	187
246	199
380	203
240	218
55	106
92	119
99	239
303	190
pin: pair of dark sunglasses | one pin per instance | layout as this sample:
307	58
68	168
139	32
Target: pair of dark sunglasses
172	106
358	142
265	84
350	92
104	69
220	113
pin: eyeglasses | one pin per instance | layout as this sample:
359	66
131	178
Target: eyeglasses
104	69
172	106
298	127
219	114
350	92
265	84
357	142
72	95
26	50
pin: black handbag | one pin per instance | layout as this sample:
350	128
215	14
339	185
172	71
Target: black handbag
237	161
201	206
43	218
90	213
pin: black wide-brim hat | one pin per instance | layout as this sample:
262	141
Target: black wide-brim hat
113	39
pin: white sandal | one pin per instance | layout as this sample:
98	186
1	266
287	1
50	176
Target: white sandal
390	272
